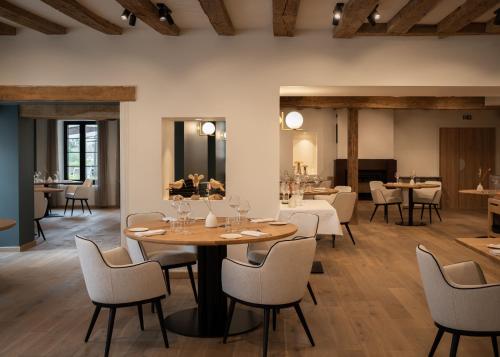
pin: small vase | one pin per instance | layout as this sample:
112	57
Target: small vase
412	182
211	220
479	187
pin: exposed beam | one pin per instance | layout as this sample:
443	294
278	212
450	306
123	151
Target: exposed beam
25	18
218	16
410	15
464	15
7	30
466	103
92	111
284	17
354	14
475	28
147	12
67	93
80	13
491	28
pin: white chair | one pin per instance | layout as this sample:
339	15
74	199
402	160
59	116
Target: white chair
113	282
278	282
460	300
331	198
430	197
39	211
78	193
382	196
344	205
169	256
307	224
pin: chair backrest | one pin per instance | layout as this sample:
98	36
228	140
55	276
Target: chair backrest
135	250
326	183
135	219
430	194
307	223
376	189
87	182
344	204
343	188
286	270
40	205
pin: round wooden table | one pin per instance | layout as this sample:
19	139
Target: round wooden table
6	223
410	188
209	318
489	193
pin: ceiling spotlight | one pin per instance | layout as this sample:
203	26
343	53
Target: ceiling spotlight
497	17
374	16
165	13
337	13
131	20
125	15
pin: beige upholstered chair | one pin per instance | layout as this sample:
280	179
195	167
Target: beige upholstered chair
460	300
307	224
430	197
384	197
326	183
113	282
344	205
78	193
169	256
331	198
278	282
39	211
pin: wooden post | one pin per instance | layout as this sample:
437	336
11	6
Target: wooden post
352	154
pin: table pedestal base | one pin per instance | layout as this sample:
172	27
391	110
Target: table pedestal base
185	323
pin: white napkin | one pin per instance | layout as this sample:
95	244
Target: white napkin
262	220
153	232
495	251
256	234
494	246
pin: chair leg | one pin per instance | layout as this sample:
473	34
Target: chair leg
152	307
311	292
401	213
430	214
72	207
437	212
435	344
161	320
111	322
333	240
266	332
232	304
454	345
141	319
350	234
304	323
386	213
374	211
66	206
193	284
422	212
88	207
274	319
167	280
92	322
40	230
83	209
495	345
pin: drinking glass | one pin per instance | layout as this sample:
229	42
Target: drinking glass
184	209
396	176
243	209
234	202
175	225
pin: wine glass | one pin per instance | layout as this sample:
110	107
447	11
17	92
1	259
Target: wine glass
184	209
396	176
174	224
243	209
234	202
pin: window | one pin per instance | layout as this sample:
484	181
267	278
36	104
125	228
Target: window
80	150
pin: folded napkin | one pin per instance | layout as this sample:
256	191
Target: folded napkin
154	232
256	234
494	246
492	251
262	220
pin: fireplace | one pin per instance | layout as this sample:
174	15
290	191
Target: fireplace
369	170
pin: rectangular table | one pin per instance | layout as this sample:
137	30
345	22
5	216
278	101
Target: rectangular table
479	245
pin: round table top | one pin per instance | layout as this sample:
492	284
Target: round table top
200	235
6	223
48	189
59	182
325	191
481	192
404	185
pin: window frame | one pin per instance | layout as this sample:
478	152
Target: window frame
83	149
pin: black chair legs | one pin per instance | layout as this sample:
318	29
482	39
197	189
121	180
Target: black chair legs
161	320
232	304
39	229
92	322
494	343
73	205
111	322
435	344
401	213
304	323
311	292
141	318
374	211
454	345
193	284
350	234
266	332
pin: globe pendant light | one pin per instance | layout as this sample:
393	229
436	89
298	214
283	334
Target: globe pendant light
294	120
208	128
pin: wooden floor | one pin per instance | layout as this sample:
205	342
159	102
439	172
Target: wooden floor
371	301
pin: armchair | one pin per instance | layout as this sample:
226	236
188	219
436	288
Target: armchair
382	196
78	193
430	197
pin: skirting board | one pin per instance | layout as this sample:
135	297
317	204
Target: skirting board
22	248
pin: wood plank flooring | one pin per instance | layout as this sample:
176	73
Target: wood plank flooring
370	300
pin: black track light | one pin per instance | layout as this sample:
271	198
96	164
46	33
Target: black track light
497	17
337	13
165	13
131	20
125	15
374	16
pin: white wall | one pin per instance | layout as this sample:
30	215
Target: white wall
202	74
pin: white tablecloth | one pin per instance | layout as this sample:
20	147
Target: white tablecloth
328	219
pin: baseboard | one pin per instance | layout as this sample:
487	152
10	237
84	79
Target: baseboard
22	248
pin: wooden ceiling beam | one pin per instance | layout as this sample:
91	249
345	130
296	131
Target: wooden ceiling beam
475	28
90	111
491	28
219	18
284	17
25	18
7	30
67	93
464	15
80	13
147	12
464	103
410	15
354	15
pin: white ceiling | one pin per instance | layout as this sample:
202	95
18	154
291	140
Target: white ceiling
245	14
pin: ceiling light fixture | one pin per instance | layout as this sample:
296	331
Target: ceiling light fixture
374	16
497	17
131	20
164	13
207	128
292	121
337	13
125	15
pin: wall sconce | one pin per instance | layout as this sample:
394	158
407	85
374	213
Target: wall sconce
292	121
206	128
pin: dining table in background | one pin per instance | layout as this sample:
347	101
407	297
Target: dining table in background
486	193
48	183
318	191
6	223
208	319
480	245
